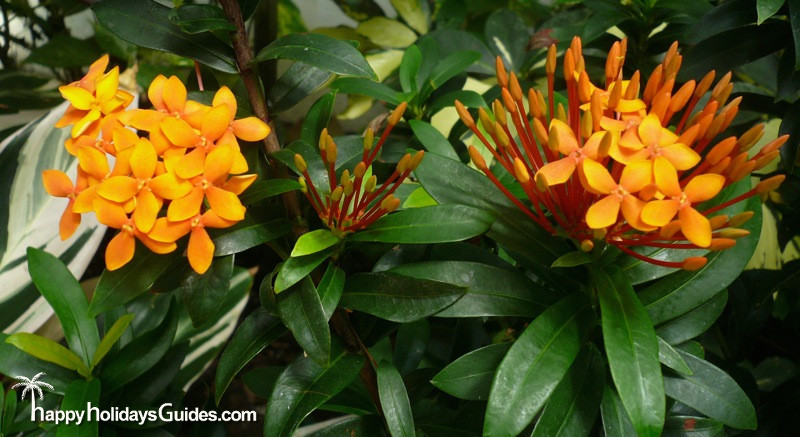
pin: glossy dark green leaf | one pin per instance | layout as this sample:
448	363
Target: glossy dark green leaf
616	422
261	190
727	15
409	67
200	18
304	386
64	51
112	335
712	392
432	224
330	289
448	68
296	268
575	402
13	361
249	233
490	291
316	120
767	8
572	259
671	358
507	36
366	87
470	99
682	426
80	393
535	364
297	83
410	344
261	381
141	354
321	51
695	322
632	350
134	278
358	426
145	24
63	292
314	241
301	311
204	294
48	350
394	401
397	298
432	139
794	18
258	330
470	376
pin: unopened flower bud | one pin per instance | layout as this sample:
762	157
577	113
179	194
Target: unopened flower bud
300	163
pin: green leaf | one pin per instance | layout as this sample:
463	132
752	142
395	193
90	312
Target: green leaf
145	24
432	224
470	376
79	394
794	17
63	292
616	422
296	268
712	392
249	233
394	401
317	119
330	289
470	99
490	291
535	364
418	198
508	36
297	83
301	310
767	8
679	426
257	331
261	190
48	350
314	241
122	285
632	349
14	361
413	14
695	322
448	68
141	354
358	426
397	298
366	87
204	294
64	51
671	358
387	33
432	139
114	333
572	259
304	386
200	18
410	344
320	51
573	406
409	67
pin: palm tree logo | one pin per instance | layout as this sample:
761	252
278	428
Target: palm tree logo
32	385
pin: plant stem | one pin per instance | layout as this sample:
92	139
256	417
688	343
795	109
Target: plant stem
244	60
343	327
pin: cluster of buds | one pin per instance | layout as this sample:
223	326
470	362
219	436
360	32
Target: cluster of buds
356	200
625	163
156	190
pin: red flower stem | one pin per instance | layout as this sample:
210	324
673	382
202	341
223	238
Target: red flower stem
313	190
199	75
735	200
674	265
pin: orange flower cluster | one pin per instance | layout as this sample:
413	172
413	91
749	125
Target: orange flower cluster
626	163
190	155
356	201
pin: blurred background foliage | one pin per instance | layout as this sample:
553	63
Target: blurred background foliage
756	336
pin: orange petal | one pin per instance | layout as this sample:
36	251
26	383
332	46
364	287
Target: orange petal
704	187
561	137
604	212
630	140
218	162
120	250
200	250
143	160
84	201
124	138
166	231
215	122
146	119
156	246
93	162
659	212
191	164
107	84
632	211
174	94
122	164
250	129
666	177
77	96
85	123
237	184
69	221
57	183
187	206
636	176
595	177
147	207
239	165
226	204
109	213
556	172
179	132
169	186
650	130
695	226
224	96
681	157
210	219
193	113
118	188
156	92
160	141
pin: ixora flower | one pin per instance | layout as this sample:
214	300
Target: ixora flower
356	201
622	164
156	190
